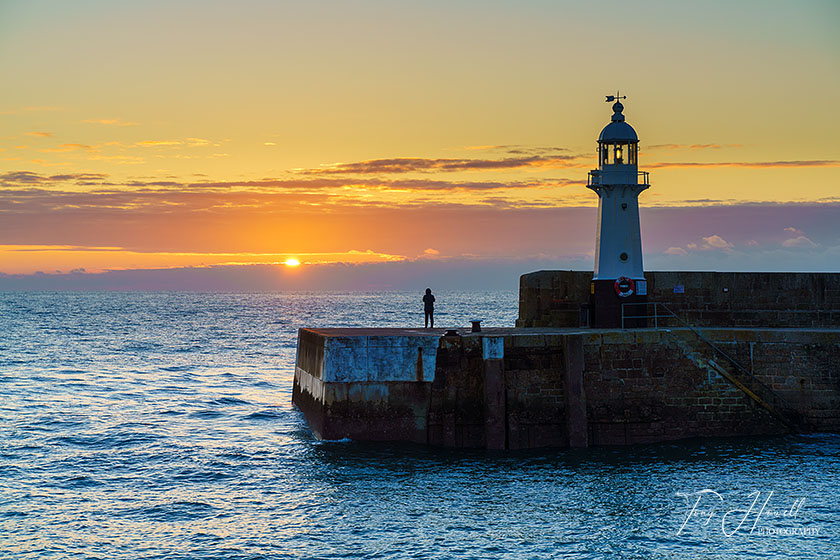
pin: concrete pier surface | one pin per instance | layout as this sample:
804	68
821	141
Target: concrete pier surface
513	388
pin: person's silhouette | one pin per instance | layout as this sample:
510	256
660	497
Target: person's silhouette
429	307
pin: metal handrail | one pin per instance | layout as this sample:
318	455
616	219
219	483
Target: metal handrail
655	316
729	358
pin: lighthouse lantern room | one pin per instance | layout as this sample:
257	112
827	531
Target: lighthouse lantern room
619	273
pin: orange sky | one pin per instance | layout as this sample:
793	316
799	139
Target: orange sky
188	134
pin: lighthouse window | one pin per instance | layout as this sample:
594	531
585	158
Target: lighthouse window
620	150
631	153
612	154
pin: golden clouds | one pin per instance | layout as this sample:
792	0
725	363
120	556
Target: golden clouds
32	109
152	143
748	164
110	122
188	142
27	259
68	148
408	165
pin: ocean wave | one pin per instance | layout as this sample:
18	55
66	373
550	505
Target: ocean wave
266	414
229	400
106	441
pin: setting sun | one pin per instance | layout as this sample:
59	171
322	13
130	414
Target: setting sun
292	262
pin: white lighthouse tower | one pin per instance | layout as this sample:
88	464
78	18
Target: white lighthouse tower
619	272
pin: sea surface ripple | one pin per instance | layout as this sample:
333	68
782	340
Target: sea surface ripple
159	425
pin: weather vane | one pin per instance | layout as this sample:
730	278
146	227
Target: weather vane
616	97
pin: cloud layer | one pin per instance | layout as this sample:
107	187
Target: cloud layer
409	165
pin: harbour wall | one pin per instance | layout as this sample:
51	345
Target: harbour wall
539	387
553	298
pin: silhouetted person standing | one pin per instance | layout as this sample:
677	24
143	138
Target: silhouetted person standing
429	307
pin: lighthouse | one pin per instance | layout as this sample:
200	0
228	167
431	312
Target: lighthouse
619	273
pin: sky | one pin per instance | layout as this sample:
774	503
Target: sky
186	144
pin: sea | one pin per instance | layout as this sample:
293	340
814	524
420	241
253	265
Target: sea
160	426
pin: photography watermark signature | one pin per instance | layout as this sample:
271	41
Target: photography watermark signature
758	514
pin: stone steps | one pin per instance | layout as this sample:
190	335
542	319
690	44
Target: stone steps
707	358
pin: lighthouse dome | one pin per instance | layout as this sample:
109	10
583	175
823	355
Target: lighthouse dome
618	130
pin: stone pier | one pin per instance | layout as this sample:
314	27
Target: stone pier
515	388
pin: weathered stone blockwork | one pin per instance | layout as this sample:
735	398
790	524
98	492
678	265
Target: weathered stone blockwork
642	387
456	410
534	388
376	384
801	365
552	298
750	299
526	388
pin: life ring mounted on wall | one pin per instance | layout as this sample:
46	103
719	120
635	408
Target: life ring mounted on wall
624	287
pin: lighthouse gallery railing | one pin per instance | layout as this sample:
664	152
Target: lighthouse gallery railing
642	178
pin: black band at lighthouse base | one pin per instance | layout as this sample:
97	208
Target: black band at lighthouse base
605	307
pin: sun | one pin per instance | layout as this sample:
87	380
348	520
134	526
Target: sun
292	262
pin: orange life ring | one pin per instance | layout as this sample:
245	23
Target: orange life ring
624	287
